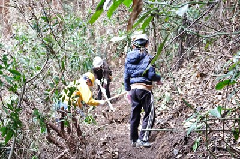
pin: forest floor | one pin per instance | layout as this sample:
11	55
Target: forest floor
110	137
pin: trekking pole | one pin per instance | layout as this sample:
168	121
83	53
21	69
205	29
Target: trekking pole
116	96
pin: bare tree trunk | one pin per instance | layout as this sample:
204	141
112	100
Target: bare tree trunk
83	7
154	34
181	44
4	12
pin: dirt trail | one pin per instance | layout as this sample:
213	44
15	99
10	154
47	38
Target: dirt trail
110	137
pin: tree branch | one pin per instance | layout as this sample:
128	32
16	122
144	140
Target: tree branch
55	128
55	142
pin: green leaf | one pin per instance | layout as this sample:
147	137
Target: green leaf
98	12
206	47
142	18
4	131
10	107
114	7
66	123
237	75
56	92
160	48
5	60
196	144
95	16
35	112
90	120
127	3
166	19
13	88
146	22
65	91
189	105
35	157
15	72
51	84
235	133
69	102
44	18
63	65
38	68
47	99
224	83
9	79
43	129
63	98
48	39
191	128
216	111
234	66
56	79
9	135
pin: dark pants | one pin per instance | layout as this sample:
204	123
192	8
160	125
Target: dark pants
141	98
106	87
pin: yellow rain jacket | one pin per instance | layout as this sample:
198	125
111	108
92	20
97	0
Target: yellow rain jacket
82	93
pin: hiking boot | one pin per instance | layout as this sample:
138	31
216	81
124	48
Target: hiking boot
133	143
141	143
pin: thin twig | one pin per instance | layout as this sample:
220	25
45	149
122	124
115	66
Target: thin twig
176	37
210	53
39	71
21	96
178	6
182	130
12	148
62	154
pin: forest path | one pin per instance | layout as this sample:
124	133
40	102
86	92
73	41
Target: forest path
112	135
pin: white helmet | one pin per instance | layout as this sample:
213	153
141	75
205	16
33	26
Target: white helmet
140	41
97	62
141	36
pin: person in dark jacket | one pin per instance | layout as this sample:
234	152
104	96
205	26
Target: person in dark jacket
103	76
138	78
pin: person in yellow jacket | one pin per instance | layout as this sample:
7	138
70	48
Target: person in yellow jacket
78	92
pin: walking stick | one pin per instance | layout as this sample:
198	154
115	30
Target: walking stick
105	95
116	96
